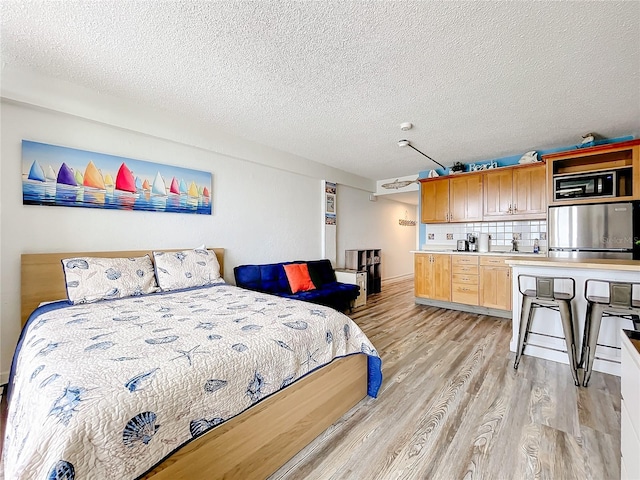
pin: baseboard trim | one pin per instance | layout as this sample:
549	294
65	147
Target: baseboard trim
494	312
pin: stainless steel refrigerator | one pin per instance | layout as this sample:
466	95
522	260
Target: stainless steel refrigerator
604	230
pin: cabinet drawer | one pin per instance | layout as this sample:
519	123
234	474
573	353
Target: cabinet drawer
494	261
464	278
464	260
464	293
465	269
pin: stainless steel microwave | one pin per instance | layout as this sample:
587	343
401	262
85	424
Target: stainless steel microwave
585	185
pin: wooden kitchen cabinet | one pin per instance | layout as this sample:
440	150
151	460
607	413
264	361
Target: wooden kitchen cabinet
433	276
530	191
623	158
515	193
464	279
495	281
457	199
465	198
434	196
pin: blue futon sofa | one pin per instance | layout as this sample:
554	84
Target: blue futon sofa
271	278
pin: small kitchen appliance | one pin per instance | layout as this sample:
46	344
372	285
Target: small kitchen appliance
462	246
473	246
483	243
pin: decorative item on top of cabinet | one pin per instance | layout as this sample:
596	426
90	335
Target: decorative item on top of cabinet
354	277
621	159
432	276
456	199
514	193
367	260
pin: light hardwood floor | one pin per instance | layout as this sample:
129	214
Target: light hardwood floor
452	407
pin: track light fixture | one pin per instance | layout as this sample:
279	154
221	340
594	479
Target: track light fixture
407	143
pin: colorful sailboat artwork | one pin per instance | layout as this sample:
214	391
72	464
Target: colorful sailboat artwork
193	190
93	177
158	187
51	174
108	181
78	178
174	188
124	180
66	176
36	172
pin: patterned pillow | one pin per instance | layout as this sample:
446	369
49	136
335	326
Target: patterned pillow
90	279
189	268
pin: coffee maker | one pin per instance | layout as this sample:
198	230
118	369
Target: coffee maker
473	244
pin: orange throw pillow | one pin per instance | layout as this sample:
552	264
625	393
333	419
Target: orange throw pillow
299	278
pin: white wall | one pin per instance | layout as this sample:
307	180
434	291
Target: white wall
267	205
363	224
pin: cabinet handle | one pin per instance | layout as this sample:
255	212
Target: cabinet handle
515	208
510	209
464	289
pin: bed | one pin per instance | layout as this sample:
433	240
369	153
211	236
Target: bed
276	423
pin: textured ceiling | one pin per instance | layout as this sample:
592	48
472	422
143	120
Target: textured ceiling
331	81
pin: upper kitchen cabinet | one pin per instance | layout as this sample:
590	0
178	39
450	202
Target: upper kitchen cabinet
434	200
515	193
454	199
605	173
465	198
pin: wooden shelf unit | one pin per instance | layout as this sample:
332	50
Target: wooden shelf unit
623	156
366	260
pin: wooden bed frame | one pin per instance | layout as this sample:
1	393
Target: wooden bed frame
261	439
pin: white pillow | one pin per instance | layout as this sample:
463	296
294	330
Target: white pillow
89	279
185	269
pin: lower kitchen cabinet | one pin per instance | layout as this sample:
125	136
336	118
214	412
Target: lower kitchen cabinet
464	281
495	279
478	282
433	276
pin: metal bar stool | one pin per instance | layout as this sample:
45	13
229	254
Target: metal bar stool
545	296
620	303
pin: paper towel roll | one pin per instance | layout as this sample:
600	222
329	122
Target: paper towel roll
483	243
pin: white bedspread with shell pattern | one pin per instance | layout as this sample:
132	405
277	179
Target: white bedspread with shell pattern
107	390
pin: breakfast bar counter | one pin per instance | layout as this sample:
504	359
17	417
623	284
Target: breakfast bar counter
546	339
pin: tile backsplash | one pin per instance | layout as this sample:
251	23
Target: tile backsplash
524	231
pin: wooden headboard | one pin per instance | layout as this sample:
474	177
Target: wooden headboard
42	278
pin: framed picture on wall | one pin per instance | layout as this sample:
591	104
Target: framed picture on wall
331	203
62	176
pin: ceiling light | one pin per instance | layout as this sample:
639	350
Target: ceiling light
406	143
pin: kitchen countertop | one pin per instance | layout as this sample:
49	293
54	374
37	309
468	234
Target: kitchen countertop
590	263
493	253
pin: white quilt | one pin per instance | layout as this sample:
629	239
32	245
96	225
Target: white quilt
107	390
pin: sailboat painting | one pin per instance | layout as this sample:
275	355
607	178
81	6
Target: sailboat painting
62	176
